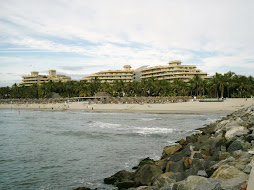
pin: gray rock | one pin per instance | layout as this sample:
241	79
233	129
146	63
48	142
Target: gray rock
143	162
223	162
214	185
176	167
239	154
202	173
146	173
177	176
227	172
236	131
125	184
215	154
236	145
247	168
179	155
190	172
202	164
192	138
234	183
169	186
192	182
161	180
120	176
223	149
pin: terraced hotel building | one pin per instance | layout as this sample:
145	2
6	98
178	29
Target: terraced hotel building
174	70
109	76
35	78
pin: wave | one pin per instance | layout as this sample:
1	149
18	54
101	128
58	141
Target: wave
153	130
82	134
132	130
104	125
150	119
50	167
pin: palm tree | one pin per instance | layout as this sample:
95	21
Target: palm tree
228	81
195	83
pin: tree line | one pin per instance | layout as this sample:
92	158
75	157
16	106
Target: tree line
225	85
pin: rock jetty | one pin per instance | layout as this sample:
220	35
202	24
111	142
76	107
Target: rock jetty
218	158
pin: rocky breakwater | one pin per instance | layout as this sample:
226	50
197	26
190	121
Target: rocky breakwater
219	157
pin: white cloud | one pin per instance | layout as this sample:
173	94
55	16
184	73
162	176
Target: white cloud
213	34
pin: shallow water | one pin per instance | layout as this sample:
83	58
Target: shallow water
65	150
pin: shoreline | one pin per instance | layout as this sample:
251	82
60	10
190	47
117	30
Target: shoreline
190	107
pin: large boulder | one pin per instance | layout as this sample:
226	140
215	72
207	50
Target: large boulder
227	172
163	179
247	168
236	145
176	167
169	186
211	147
192	182
179	176
190	172
161	163
192	138
144	161
236	131
214	166
172	149
202	173
234	183
146	173
213	185
121	176
198	167
186	151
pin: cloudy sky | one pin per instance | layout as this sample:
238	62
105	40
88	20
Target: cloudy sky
80	37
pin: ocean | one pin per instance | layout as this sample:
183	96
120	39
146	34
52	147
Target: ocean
70	149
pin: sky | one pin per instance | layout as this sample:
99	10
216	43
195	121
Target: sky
81	37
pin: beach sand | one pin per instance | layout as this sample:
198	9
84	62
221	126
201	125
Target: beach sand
193	107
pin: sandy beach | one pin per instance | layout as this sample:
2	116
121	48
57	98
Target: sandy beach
194	107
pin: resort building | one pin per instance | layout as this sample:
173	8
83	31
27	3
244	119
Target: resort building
174	70
109	76
35	78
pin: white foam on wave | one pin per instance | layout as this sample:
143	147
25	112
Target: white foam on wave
153	130
106	125
211	120
150	119
133	129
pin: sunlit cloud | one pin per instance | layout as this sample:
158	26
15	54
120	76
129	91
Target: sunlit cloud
82	37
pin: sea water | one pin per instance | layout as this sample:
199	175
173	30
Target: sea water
69	149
